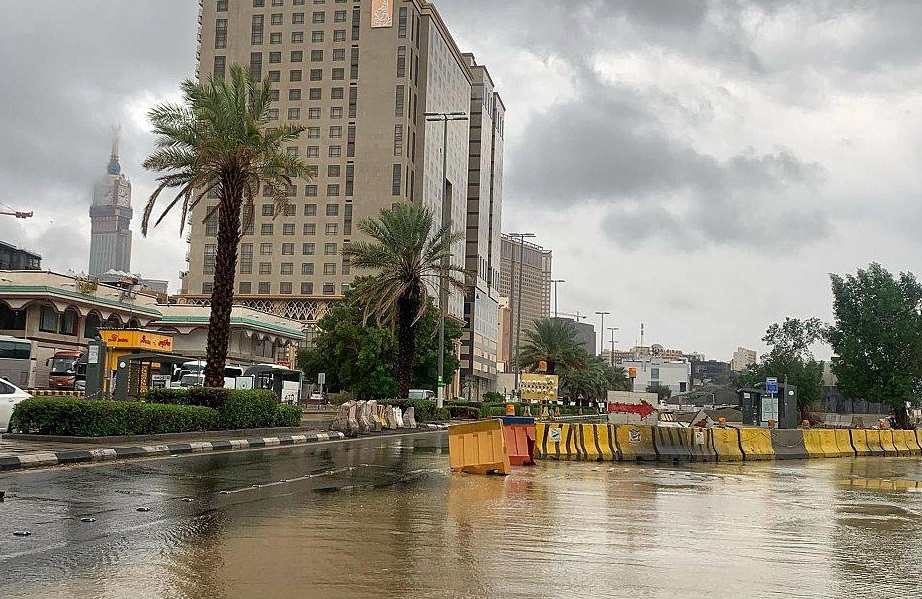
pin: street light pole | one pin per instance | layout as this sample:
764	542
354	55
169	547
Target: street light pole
602	332
518	304
555	282
446	222
611	357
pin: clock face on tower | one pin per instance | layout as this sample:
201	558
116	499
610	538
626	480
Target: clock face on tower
124	196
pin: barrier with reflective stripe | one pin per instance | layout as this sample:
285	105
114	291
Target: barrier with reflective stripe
726	444
756	444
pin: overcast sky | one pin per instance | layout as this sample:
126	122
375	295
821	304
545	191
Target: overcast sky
697	166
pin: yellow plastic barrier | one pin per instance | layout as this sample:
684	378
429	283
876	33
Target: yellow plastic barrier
478	448
844	442
886	441
726	442
821	443
859	438
756	444
635	442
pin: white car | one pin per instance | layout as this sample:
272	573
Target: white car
10	395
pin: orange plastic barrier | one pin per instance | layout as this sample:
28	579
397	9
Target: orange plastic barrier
520	442
478	448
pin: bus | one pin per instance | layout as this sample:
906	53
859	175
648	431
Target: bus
284	381
17	361
63	373
192	374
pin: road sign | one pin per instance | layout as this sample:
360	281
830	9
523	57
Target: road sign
771	385
321	378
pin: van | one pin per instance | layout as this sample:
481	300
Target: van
421	394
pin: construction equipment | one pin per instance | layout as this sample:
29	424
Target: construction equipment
17	213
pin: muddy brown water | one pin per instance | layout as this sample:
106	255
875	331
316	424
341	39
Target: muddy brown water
385	518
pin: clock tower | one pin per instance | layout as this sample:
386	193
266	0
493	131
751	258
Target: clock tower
110	214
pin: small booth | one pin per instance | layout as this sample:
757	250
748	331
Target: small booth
125	363
284	381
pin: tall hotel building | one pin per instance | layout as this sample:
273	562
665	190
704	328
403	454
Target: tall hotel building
359	76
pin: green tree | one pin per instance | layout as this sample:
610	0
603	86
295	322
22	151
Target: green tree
617	378
554	341
586	381
790	356
662	391
405	256
877	337
360	357
218	140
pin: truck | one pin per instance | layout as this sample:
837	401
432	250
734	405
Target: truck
63	373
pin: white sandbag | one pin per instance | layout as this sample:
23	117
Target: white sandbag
409	418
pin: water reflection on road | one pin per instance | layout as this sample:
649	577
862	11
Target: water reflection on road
384	518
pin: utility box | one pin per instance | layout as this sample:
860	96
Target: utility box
759	407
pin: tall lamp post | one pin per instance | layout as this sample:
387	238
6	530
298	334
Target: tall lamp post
602	332
518	304
444	117
555	282
611	357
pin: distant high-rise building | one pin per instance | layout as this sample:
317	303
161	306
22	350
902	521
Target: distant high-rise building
110	215
585	334
14	258
535	277
742	358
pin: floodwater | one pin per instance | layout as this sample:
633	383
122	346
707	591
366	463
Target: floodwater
385	518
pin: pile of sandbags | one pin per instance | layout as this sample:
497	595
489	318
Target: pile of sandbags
357	417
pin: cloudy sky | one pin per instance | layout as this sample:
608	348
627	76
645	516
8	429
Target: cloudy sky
697	166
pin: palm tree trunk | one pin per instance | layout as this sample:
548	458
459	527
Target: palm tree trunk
222	295
406	344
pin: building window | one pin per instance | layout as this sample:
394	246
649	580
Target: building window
273	114
294	75
332	209
222	6
265	249
278	2
310	209
290	208
339	16
339	35
336	132
275	57
246	258
268	209
654	373
316	93
329	288
285	288
398	101
339	54
398	140
350	183
402	22
297	56
317	37
310	191
307	289
276	18
333	190
294	114
318	17
316	74
332	229
353	101
308	249
266	229
395	180
310	228
336	151
259	3
288	229
354	64
248	226
275	76
256	30
287	268
48	323
329	249
256	65
264	288
288	249
297	37
245	288
275	38
329	268
265	268
402	61
297	18
211	251
336	112
337	93
313	152
338	74
313	112
316	55
220	33
211	223
334	170
307	268
274	95
207	287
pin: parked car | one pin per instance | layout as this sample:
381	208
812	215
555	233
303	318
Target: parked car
421	394
10	395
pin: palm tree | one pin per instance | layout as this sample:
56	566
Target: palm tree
555	342
407	258
218	140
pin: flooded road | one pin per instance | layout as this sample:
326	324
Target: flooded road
384	518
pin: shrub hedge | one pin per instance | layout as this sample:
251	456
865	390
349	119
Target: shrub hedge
182	412
95	418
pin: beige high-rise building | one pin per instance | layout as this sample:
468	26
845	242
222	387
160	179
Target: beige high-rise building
359	76
535	286
742	359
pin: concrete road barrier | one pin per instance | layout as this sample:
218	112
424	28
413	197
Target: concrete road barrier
905	442
874	442
588	442
556	441
913	442
635	442
821	443
844	442
886	441
789	444
756	444
700	444
726	444
671	444
607	445
859	438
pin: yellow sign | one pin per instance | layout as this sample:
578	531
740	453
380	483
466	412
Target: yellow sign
539	386
382	14
122	339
